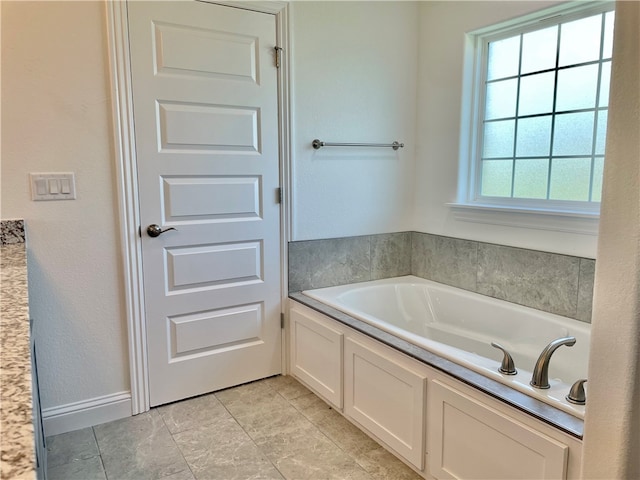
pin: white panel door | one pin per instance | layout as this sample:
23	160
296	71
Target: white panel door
206	126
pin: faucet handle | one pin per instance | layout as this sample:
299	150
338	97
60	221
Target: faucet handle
576	394
507	367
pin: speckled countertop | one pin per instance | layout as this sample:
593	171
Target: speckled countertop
17	450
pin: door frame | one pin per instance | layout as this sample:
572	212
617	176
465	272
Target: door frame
127	185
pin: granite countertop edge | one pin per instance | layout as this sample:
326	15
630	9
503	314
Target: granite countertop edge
536	408
17	451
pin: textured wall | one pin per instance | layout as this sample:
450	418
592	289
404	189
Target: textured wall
612	436
56	117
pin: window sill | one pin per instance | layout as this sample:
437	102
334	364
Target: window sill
585	223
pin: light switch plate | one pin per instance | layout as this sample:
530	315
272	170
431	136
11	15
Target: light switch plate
53	186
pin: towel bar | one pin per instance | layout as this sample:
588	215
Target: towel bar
317	144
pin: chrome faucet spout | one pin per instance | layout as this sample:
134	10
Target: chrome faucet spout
540	378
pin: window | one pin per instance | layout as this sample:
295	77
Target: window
541	93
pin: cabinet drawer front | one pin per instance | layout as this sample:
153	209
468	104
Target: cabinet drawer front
386	396
316	355
470	440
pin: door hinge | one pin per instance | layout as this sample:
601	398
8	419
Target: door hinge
282	320
279	195
278	51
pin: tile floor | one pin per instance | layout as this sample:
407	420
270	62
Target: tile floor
269	429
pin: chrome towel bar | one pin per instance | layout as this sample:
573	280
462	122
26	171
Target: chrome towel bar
317	144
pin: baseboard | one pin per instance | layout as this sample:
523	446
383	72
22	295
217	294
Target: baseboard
86	413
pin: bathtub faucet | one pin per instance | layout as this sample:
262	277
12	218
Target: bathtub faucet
540	378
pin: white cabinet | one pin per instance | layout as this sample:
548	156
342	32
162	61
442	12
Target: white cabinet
404	403
468	439
316	353
385	394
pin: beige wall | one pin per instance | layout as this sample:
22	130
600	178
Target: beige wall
56	118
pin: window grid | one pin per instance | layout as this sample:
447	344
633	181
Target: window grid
594	140
515	128
517	118
553	111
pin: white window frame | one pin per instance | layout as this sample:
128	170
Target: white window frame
557	215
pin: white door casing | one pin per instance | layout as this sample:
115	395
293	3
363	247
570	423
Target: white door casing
253	259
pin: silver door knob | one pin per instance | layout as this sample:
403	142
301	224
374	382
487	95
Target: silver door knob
154	230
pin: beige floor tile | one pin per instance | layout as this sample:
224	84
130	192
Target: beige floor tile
183	475
139	448
222	450
287	386
71	447
272	422
383	465
288	439
192	413
87	469
256	399
345	434
311	406
316	459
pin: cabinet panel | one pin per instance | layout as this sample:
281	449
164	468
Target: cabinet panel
316	354
468	439
385	395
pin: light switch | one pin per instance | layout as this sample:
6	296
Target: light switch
41	187
53	186
65	186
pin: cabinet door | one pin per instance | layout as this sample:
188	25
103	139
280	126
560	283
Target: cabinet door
385	393
316	354
468	439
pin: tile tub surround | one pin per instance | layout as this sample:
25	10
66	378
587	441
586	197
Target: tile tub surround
17	453
550	282
11	232
339	261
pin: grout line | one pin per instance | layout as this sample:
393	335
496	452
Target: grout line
247	433
175	443
95	438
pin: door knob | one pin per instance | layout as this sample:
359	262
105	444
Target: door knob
154	230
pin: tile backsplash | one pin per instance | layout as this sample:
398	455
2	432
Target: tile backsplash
11	231
551	282
338	261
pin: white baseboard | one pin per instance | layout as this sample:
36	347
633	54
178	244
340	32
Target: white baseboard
86	413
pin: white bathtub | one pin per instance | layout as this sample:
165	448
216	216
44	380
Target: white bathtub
461	325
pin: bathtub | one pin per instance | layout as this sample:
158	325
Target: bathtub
460	326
